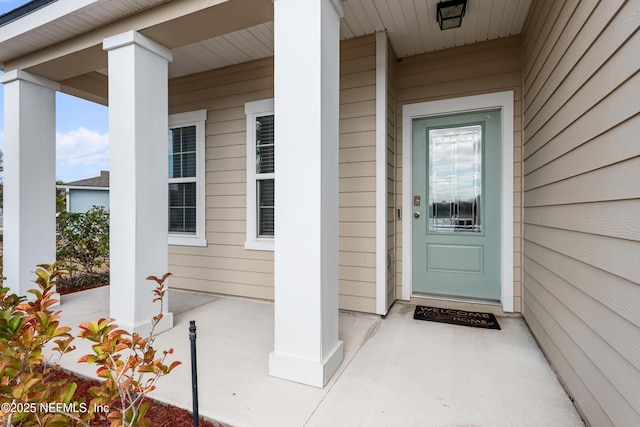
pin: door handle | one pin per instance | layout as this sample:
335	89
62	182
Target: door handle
416	214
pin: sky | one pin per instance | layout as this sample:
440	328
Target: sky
82	130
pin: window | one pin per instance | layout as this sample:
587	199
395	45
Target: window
455	179
260	175
186	178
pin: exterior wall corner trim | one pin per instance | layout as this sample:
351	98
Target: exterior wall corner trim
381	172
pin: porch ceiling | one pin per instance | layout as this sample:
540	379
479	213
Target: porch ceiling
410	24
413	29
62	40
58	21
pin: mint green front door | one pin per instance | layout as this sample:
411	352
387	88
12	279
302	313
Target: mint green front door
456	205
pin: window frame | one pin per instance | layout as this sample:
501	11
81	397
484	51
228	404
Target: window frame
252	111
198	119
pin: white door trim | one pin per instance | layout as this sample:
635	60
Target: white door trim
501	100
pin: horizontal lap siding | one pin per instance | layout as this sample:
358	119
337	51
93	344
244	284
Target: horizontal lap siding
481	68
582	199
357	260
224	266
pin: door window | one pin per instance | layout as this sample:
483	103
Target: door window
455	179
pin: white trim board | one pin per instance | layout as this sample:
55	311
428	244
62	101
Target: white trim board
501	100
252	111
197	118
381	173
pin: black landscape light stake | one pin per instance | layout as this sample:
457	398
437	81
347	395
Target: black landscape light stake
194	372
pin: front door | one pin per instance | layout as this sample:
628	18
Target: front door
456	205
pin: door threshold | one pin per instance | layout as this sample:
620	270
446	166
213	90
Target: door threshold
459	303
455	298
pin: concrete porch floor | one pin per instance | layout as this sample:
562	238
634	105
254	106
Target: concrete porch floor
396	371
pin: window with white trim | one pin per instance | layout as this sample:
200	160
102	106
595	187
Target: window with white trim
260	175
186	209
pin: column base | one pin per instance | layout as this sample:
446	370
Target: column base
144	329
306	371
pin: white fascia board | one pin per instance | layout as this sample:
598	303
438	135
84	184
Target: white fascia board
38	18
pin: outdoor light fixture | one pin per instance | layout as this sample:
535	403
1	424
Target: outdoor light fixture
450	13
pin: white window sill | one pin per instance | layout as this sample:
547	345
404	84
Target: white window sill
178	240
259	245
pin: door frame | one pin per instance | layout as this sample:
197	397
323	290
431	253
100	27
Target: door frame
498	100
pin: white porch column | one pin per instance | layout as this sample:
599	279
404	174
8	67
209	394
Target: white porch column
307	57
138	126
29	176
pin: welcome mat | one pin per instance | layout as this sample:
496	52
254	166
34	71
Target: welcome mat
456	317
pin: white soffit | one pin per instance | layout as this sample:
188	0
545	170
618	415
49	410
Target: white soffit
410	24
62	20
239	46
412	28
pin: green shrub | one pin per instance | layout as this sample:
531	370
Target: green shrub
128	364
25	329
82	242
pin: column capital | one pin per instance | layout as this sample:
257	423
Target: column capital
134	37
337	5
13	75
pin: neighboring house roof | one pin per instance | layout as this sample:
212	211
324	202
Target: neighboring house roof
98	182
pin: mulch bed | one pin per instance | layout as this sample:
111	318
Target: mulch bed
81	282
63	290
160	414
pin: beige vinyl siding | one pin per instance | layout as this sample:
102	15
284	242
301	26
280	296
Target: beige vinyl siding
391	170
582	199
357	257
487	67
224	266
